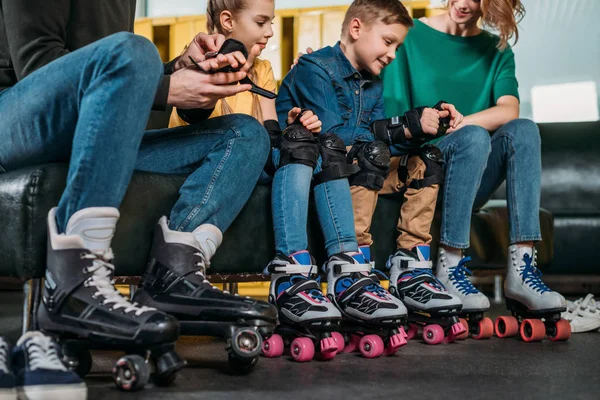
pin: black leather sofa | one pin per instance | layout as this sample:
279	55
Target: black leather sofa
570	220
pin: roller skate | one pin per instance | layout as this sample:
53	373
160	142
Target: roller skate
373	320
536	309
175	282
84	311
307	318
430	307
453	273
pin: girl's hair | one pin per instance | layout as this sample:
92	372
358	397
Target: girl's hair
214	8
503	16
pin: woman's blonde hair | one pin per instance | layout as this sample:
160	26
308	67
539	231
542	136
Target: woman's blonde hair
214	8
503	16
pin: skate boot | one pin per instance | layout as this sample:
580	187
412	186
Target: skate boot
536	309
175	282
7	378
306	317
429	304
373	320
81	306
453	273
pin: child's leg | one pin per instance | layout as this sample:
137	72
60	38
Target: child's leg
364	201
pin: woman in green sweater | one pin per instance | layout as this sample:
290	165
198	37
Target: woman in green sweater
450	57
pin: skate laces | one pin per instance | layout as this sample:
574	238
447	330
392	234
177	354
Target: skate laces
202	266
42	352
3	356
102	270
532	276
459	276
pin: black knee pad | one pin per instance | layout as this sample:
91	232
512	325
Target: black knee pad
334	164
374	162
434	171
298	146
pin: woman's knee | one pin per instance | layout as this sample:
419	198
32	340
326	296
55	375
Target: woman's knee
525	133
473	140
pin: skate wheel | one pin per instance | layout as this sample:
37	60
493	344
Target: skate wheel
371	346
246	343
329	355
562	331
485	329
302	349
131	373
168	365
506	326
465	334
412	331
353	344
339	339
241	365
273	346
532	330
433	334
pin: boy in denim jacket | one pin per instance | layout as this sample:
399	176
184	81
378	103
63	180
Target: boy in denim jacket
340	84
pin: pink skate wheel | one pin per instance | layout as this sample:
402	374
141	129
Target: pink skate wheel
412	331
506	326
485	329
562	331
273	346
464	335
371	346
352	346
532	330
339	339
302	349
433	334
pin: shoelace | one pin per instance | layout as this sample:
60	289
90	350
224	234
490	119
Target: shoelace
3	356
42	354
532	276
587	304
202	265
459	276
101	279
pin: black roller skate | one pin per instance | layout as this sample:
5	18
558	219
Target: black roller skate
373	320
430	306
175	283
536	309
307	319
84	311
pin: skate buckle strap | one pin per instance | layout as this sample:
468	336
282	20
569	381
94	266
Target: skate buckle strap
532	276
359	284
294	269
347	268
413	264
304	285
459	276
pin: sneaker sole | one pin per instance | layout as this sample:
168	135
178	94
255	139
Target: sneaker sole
8	394
53	392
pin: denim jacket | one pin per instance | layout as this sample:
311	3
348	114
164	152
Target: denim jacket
345	100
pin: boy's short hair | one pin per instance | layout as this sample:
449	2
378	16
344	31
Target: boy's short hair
370	11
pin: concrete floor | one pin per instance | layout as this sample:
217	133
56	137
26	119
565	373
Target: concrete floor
489	369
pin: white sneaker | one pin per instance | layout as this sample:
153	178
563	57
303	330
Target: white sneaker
580	323
585	307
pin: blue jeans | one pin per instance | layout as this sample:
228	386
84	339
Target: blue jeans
477	164
290	195
90	107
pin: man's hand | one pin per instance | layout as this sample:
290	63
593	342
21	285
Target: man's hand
308	119
191	88
197	49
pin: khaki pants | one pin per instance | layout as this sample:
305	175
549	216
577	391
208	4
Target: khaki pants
416	212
